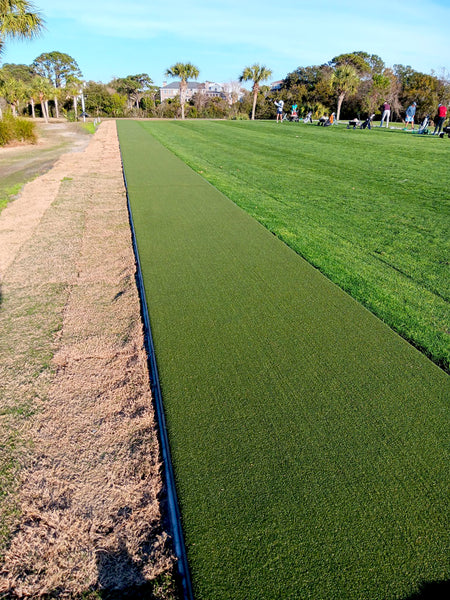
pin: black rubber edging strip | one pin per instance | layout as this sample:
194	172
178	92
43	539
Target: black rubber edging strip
172	501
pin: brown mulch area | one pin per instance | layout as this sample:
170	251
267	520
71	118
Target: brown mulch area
79	454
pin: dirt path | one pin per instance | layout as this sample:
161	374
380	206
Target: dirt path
22	162
79	451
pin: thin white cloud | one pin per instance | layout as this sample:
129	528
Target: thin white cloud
248	21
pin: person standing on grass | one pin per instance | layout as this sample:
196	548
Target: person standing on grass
441	116
279	106
386	114
410	114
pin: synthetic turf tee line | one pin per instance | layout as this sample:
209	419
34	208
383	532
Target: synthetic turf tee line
308	440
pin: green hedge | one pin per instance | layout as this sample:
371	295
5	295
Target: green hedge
17	129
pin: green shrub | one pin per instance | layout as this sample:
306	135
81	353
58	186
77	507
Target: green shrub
240	117
25	130
317	109
191	112
6	132
89	127
69	114
16	128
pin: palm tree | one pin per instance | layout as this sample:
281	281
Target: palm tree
345	82
58	94
42	88
32	95
18	19
14	92
255	73
72	90
184	71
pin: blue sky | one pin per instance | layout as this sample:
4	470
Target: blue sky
114	38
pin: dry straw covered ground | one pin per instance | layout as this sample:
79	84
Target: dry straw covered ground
81	494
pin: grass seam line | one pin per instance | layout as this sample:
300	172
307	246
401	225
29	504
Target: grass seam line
172	501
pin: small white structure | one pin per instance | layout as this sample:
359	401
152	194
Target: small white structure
276	86
173	89
210	89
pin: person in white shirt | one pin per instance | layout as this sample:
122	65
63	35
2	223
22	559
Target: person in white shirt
279	104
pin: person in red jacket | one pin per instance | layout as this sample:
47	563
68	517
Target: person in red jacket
441	116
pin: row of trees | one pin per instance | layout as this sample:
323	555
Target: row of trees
359	79
353	84
53	84
358	83
52	77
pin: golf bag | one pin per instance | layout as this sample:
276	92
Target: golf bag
367	123
423	129
308	118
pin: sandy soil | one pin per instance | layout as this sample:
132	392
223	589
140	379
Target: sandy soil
22	162
80	454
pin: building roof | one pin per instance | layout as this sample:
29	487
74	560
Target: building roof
276	85
191	85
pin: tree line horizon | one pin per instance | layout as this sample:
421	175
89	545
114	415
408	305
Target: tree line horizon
351	84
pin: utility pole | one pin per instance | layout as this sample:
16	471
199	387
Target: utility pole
82	107
83	111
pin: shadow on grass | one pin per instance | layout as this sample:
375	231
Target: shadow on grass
120	577
434	590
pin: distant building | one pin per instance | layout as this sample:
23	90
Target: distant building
276	86
213	90
173	89
209	89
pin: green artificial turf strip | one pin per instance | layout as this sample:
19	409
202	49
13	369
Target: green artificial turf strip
309	441
370	209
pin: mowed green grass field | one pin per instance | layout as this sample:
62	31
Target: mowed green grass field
370	209
309	441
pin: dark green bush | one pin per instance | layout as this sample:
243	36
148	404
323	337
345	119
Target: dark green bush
17	128
6	131
240	117
25	130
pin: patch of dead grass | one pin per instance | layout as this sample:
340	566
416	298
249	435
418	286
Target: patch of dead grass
86	510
